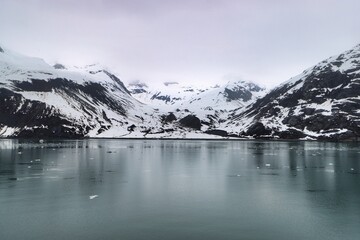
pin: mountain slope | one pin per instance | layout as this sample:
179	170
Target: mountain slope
37	99
321	103
212	105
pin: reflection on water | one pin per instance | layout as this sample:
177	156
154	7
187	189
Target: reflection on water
179	190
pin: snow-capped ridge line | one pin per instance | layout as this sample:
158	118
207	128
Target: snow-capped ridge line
319	103
40	100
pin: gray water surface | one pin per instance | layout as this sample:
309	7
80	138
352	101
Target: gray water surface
152	189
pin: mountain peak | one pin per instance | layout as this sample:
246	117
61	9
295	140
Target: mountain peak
1	50
320	103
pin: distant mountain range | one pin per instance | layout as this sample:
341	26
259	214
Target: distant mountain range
43	101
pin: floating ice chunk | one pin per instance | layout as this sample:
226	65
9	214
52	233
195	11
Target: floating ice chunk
352	169
19	153
267	165
330	164
235	175
93	197
41	141
37	160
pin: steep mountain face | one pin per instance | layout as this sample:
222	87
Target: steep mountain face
321	103
37	100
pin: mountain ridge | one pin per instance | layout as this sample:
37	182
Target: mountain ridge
320	103
39	100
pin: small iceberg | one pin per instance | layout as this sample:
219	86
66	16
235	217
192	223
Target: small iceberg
234	175
93	197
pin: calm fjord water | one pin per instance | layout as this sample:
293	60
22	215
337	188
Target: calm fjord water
179	190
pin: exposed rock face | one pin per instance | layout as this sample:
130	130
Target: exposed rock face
258	129
1	50
137	91
217	132
98	93
59	66
158	96
191	121
233	95
169	118
323	102
35	119
137	87
241	91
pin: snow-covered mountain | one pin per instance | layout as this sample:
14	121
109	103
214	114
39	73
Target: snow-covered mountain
212	105
323	102
37	99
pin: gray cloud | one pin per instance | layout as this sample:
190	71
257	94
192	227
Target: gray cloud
267	41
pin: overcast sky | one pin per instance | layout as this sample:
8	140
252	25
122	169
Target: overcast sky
198	41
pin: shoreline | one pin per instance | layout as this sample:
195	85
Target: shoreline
36	139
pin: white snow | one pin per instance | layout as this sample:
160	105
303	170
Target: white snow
209	103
